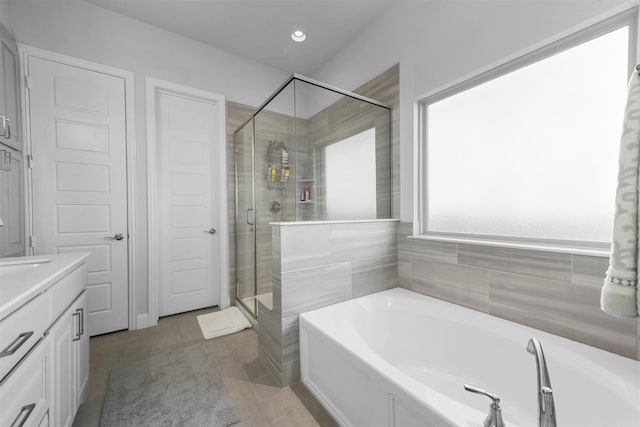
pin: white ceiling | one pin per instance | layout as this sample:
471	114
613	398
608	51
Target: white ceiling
259	29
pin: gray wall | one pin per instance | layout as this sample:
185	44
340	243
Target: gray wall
555	292
315	265
385	87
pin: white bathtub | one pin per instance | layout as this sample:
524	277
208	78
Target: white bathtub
398	358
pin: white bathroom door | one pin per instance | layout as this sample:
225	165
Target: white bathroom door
78	137
187	200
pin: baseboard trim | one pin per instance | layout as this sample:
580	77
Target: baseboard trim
142	321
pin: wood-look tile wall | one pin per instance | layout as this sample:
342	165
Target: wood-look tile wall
343	119
317	265
385	88
270	126
554	292
236	115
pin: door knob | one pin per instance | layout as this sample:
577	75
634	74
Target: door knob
211	231
118	236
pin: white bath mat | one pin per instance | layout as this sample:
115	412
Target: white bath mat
222	322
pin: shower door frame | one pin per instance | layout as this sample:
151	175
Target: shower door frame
254	311
251	119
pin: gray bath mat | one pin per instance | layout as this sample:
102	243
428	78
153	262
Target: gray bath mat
181	388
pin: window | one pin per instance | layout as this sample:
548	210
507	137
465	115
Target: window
527	152
350	173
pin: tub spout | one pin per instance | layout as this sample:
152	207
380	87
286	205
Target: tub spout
546	405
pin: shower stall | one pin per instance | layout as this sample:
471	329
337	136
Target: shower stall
311	152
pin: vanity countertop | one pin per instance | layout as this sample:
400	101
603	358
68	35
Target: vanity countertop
23	278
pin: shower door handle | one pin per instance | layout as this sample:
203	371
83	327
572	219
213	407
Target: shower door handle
250	210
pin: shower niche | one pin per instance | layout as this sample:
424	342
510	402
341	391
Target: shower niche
311	152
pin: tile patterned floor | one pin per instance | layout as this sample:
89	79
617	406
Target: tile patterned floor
254	391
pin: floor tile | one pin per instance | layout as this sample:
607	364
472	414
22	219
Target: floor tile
259	400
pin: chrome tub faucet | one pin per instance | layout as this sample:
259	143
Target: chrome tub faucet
546	406
494	419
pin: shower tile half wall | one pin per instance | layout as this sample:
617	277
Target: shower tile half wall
318	265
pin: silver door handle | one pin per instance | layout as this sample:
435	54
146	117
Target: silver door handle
77	335
81	321
118	236
16	344
26	410
5	160
211	231
249	210
6	127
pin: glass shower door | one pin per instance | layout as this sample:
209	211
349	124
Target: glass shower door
245	219
274	181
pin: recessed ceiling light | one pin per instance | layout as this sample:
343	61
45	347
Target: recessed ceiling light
298	36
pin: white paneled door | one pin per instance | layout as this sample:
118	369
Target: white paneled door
79	178
188	242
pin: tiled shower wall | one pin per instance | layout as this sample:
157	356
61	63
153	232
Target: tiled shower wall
315	265
236	115
555	292
271	126
343	119
384	88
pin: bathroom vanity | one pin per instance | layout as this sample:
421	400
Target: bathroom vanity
11	157
44	350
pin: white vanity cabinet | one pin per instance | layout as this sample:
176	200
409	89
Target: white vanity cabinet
11	202
70	355
11	165
44	341
9	90
24	396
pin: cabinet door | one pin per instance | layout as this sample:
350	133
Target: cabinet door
82	350
70	378
45	421
12	205
24	393
9	104
63	378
